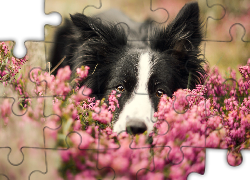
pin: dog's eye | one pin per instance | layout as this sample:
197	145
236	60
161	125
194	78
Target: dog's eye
120	88
159	93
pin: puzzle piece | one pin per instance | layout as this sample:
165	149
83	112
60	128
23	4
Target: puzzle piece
15	139
149	8
232	129
17	126
236	44
223	132
18	120
184	131
227	19
134	156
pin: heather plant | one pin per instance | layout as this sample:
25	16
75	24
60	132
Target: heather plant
9	64
214	115
21	121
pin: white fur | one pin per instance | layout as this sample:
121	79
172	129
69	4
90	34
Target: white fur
144	70
139	106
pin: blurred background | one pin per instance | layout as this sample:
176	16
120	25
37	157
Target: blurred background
226	24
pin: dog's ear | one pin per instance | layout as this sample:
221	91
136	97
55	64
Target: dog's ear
181	39
89	28
182	34
96	43
83	25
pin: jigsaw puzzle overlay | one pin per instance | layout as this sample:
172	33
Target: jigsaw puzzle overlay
51	130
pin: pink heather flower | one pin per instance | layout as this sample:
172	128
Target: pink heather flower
71	110
245	70
159	163
12	65
176	173
155	175
233	159
90	163
5	48
49	80
104	160
77	125
122	178
108	130
102	114
82	94
83	143
5	110
65	155
87	174
82	72
212	141
69	175
3	73
63	74
51	122
91	99
137	165
180	103
57	109
74	113
113	102
62	89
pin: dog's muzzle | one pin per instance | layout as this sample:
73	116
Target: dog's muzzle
136	127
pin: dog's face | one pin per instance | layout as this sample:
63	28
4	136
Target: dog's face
142	76
140	71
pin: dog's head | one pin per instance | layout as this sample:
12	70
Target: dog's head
140	71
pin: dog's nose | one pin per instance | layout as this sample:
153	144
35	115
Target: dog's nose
136	127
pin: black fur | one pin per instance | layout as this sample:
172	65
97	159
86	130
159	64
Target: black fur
105	48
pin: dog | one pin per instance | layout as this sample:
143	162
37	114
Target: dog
141	61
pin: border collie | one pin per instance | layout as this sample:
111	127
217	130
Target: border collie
138	60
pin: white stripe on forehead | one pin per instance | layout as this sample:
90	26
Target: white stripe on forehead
138	108
144	68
